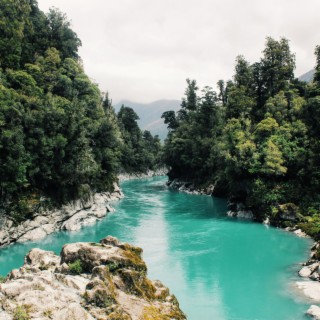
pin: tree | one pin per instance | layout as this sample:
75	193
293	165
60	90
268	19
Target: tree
61	36
317	68
243	73
189	103
170	119
13	19
273	160
277	64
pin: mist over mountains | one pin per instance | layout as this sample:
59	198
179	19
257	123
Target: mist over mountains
150	114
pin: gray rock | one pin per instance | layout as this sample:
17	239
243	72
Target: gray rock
311	289
300	233
315	276
41	259
35	234
305	272
5	316
149	173
70	217
314	312
46	288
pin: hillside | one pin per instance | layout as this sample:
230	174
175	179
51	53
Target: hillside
60	140
150	114
308	76
256	140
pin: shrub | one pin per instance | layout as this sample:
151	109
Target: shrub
21	313
76	267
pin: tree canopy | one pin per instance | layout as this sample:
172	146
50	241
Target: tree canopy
257	139
60	138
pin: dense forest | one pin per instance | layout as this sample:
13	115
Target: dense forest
256	138
60	138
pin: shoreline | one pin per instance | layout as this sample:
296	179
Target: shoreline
150	173
309	284
76	214
70	217
88	280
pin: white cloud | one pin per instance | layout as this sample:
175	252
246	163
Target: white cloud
144	50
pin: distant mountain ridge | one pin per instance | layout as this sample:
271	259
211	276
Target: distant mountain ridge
308	76
150	114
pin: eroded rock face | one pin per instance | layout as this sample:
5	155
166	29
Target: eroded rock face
105	280
150	173
69	217
190	188
310	286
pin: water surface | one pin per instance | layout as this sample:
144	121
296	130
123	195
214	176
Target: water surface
218	267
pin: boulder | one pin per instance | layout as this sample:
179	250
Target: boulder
105	280
311	289
41	259
113	256
35	234
314	312
308	270
300	233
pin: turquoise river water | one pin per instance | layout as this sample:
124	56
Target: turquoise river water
219	268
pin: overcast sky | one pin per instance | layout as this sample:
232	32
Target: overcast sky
143	50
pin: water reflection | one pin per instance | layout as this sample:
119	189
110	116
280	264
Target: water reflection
219	268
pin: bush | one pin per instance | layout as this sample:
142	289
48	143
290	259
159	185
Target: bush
21	313
76	267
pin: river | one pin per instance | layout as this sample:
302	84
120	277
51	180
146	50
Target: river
219	268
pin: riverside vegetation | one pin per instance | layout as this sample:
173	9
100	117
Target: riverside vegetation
60	139
255	141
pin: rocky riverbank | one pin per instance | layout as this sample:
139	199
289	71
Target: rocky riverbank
189	187
105	280
310	281
69	217
286	214
150	173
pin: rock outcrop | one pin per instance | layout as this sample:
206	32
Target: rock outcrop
310	284
150	173
189	187
239	210
91	281
69	217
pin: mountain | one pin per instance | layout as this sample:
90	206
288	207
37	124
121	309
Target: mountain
308	76
150	114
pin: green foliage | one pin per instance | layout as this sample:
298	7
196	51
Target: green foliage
140	150
312	227
59	137
273	160
170	119
21	313
76	267
257	140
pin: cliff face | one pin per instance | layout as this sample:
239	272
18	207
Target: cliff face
105	280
